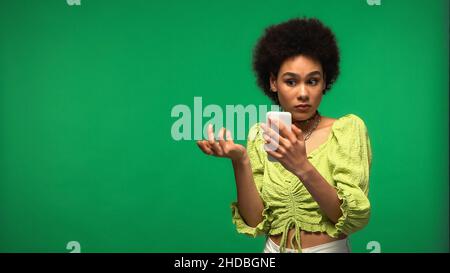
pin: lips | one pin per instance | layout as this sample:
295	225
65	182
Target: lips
302	106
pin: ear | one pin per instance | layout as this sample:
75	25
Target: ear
272	81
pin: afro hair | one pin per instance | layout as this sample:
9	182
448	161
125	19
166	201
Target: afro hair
299	36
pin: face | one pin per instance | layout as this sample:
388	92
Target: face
300	80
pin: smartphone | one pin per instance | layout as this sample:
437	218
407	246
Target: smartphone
284	117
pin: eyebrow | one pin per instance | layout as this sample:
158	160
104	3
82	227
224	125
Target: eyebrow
298	76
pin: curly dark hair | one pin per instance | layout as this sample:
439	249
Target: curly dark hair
298	36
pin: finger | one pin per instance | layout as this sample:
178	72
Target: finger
298	132
229	137
200	145
283	130
274	135
272	146
217	149
267	138
269	132
221	139
214	145
270	135
210	134
207	147
275	154
203	145
221	135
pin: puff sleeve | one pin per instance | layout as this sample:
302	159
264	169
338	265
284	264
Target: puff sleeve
350	159
254	146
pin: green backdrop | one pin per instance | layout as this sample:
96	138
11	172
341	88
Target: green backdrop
86	92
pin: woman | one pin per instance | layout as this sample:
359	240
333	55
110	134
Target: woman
317	192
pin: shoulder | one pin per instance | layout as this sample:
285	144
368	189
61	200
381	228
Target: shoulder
350	135
349	122
349	128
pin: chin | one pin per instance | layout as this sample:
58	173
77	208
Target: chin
302	115
299	116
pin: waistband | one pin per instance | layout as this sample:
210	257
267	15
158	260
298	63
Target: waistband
338	246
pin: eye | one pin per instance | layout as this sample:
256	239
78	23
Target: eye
313	81
290	82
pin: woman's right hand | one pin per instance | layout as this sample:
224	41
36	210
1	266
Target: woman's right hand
222	148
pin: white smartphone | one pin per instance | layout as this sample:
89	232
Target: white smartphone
284	117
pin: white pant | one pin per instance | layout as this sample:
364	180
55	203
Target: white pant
339	246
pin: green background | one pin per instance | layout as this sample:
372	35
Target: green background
86	92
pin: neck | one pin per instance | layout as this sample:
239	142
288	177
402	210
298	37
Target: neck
307	124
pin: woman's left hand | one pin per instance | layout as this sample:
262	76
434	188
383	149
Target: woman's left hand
289	146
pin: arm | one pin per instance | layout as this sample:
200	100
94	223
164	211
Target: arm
324	194
346	203
249	202
291	153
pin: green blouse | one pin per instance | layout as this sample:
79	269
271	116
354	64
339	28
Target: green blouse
344	160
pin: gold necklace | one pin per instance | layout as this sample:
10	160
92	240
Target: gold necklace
317	121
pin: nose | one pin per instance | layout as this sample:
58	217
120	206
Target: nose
303	94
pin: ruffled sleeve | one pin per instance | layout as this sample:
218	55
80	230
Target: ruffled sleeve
350	158
254	146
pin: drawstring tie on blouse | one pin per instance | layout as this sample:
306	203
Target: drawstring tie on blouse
286	233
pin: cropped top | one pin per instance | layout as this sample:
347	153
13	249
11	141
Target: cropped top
344	160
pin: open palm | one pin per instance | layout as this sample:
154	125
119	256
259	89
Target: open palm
222	147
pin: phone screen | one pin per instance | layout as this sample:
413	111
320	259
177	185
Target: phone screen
286	119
